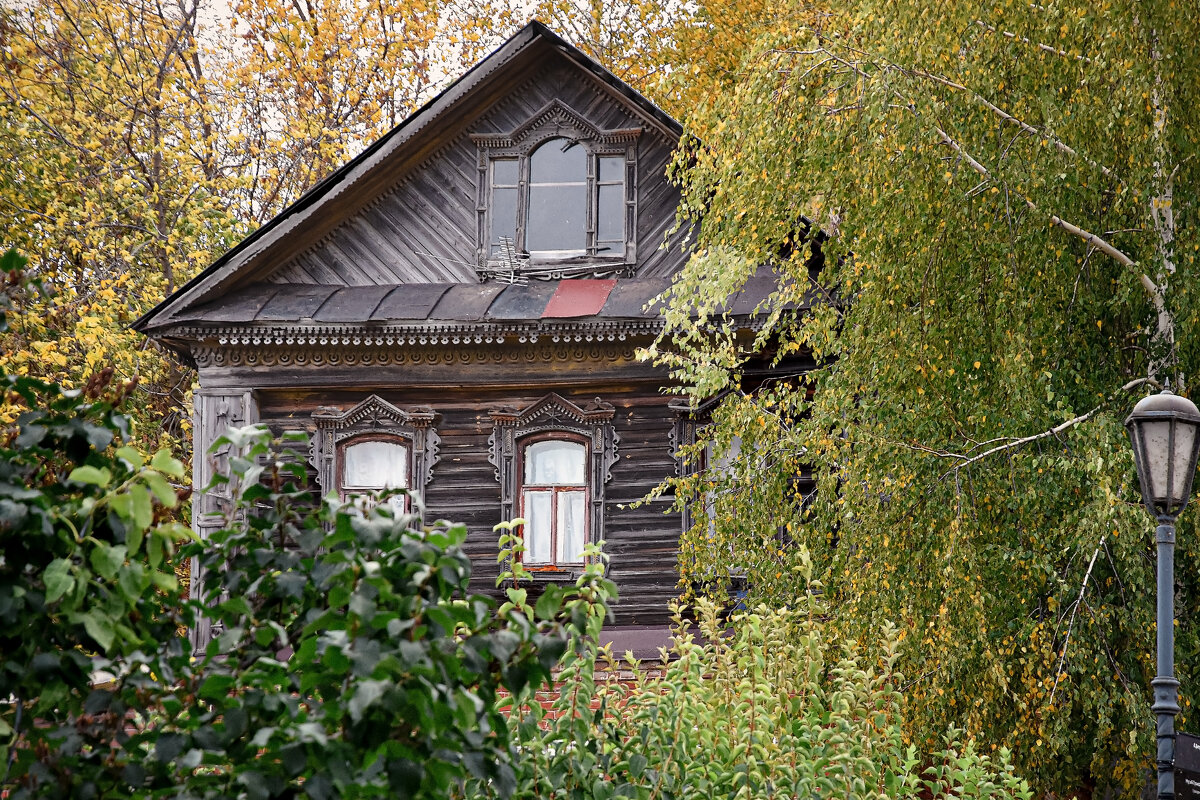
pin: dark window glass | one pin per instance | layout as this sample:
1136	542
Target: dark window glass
610	214
504	172
612	169
557	218
504	217
558	161
557	212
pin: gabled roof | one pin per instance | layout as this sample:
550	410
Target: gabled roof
375	170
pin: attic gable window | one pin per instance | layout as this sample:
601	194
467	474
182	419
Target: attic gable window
556	199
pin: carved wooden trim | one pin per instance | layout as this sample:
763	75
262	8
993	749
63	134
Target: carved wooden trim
553	120
375	415
215	411
592	422
208	355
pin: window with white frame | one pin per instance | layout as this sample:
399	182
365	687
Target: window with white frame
554	502
371	464
553	459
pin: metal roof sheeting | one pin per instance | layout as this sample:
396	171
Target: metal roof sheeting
282	303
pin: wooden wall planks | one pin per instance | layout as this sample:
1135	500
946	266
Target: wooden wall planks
423	230
641	541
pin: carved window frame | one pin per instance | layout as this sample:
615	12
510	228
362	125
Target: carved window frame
374	419
554	416
555	120
690	421
524	444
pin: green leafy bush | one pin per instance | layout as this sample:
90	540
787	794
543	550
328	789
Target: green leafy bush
351	660
88	597
765	705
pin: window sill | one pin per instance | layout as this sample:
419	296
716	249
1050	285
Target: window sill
541	575
590	267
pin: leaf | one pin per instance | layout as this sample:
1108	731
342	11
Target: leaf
549	604
58	579
141	509
366	694
131	456
106	560
100	627
162	490
167	464
91	476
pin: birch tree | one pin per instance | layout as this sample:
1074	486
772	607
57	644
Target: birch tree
1006	197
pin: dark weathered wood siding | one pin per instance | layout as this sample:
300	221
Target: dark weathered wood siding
642	542
423	231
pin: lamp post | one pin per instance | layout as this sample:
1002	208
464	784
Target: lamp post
1163	429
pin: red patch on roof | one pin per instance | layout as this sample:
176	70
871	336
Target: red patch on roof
579	298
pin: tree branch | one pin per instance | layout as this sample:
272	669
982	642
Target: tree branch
1074	610
1045	48
1099	244
1009	444
1059	145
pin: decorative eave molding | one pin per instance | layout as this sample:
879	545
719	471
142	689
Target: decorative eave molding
431	334
555	119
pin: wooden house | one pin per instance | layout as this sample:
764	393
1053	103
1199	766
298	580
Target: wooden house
457	310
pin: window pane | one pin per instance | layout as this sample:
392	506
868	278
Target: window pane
612	169
504	217
557	218
557	212
555	463
538	522
570	526
375	465
551	163
504	172
610	214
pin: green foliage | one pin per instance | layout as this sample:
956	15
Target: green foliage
999	185
87	591
351	660
769	705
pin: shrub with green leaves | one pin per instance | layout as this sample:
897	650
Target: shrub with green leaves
88	597
352	662
767	704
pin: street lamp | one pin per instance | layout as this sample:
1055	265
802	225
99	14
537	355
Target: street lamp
1163	429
